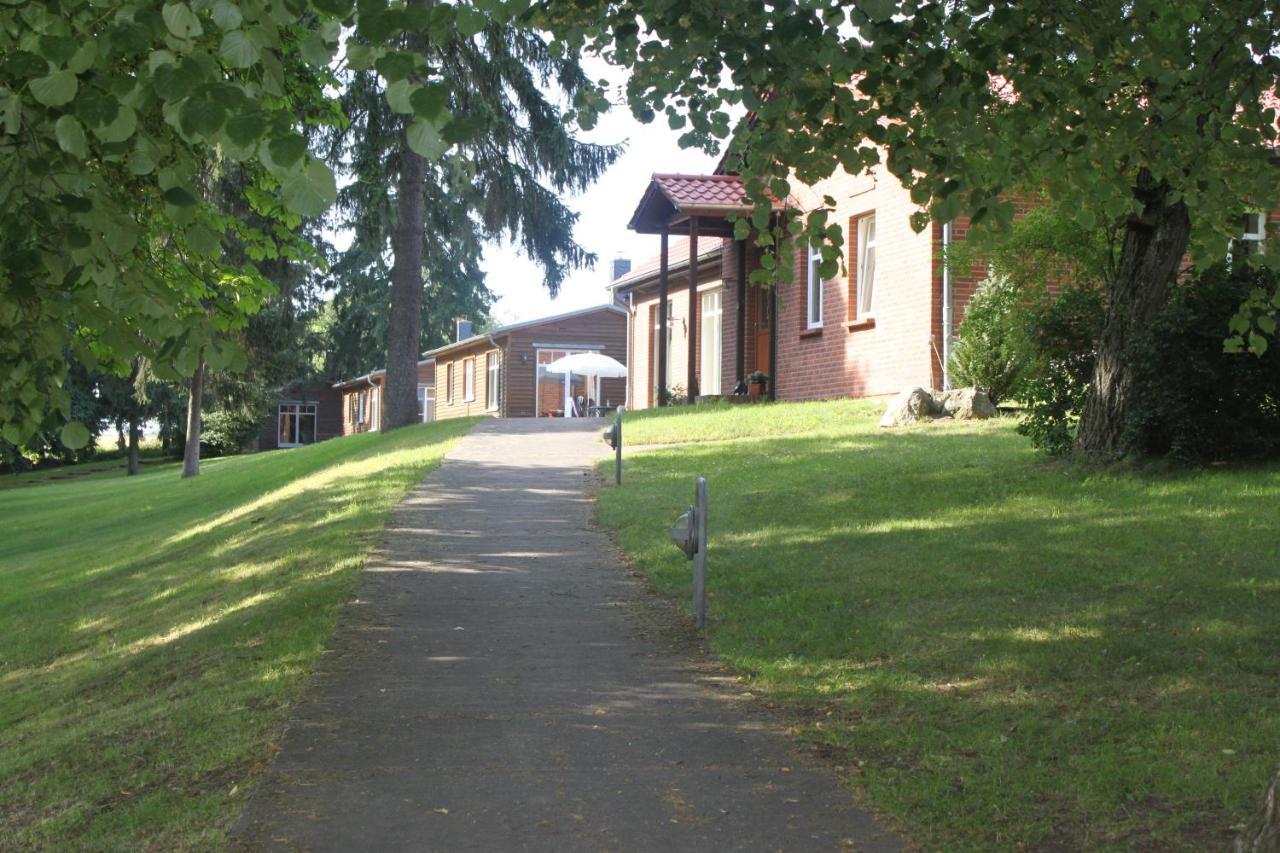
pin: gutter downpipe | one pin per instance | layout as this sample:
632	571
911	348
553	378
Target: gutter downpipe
947	315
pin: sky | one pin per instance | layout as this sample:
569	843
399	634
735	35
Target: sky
603	210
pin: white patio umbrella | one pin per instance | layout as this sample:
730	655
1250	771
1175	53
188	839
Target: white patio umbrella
593	364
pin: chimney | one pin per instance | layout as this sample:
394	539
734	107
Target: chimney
621	266
463	328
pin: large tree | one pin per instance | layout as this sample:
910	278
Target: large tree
1157	116
426	196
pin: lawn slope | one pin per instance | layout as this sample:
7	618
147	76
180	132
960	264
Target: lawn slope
1000	650
156	629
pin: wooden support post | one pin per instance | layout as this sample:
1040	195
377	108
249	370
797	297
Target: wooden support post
740	355
692	384
663	319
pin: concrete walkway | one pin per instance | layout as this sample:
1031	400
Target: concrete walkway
495	687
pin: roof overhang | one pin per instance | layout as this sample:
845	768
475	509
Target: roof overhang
671	203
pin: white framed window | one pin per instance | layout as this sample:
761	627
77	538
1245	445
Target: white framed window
813	296
866	281
363	407
426	401
709	317
448	383
469	380
491	382
653	349
296	424
1254	233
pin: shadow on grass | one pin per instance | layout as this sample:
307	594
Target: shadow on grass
1020	653
155	637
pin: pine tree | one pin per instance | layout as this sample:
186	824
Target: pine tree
512	156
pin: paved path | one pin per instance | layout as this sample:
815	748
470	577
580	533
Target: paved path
494	687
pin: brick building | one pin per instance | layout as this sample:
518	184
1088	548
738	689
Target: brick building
883	323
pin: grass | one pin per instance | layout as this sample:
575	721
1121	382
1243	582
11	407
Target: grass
999	650
156	631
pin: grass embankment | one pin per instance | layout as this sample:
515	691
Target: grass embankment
155	631
1000	650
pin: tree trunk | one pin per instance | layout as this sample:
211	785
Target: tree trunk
404	331
191	454
1154	246
1262	833
135	435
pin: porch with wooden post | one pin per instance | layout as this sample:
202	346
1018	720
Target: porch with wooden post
698	206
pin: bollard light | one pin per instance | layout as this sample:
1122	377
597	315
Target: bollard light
685	532
610	436
690	535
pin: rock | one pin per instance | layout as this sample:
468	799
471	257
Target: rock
913	404
965	404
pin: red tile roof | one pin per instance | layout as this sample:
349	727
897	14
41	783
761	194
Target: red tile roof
702	190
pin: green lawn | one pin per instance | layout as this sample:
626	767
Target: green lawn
996	649
155	631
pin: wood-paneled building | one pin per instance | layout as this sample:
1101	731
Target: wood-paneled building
502	373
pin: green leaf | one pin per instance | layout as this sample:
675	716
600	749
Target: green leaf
82	60
13	115
424	139
245	128
56	89
227	15
71	137
179	197
311	190
341	8
468	21
315	52
125	123
238	50
287	150
399	94
74	435
430	101
181	21
202	116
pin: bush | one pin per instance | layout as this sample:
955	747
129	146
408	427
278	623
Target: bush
1061	334
228	432
991	344
1193	401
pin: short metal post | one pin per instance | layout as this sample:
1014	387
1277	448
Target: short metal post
617	449
700	558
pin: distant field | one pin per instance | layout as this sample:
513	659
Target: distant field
155	631
1000	651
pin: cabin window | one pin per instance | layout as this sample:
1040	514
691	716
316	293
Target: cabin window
469	380
296	424
1254	233
448	383
363	411
491	382
814	295
426	401
866	276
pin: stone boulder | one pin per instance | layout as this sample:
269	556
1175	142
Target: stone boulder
964	404
912	405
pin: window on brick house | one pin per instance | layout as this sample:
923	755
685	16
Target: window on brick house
448	383
1254	233
491	382
364	407
469	380
813	295
866	280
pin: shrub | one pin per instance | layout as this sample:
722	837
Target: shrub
1193	401
1061	334
991	351
227	432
